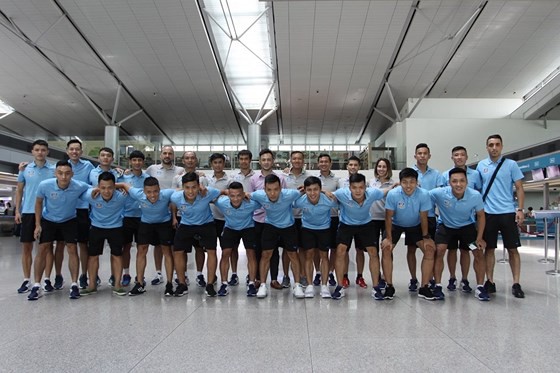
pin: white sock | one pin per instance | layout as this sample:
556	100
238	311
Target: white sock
126	271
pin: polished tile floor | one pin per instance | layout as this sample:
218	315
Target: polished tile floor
107	333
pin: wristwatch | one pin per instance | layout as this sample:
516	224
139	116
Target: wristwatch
521	210
426	237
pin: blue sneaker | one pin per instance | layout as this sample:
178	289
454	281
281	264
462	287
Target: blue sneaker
251	290
317	279
377	293
223	291
24	288
83	281
47	286
452	286
126	280
481	294
332	281
338	293
382	283
58	282
234	280
438	293
35	293
413	285
74	292
158	279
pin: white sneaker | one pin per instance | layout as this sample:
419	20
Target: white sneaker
325	292
298	291
158	279
309	292
262	293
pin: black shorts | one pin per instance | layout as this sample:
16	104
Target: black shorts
451	236
258	235
27	228
219	229
506	225
315	239
155	234
272	237
378	231
360	233
84	222
412	234
131	226
97	237
299	226
432	226
333	231
66	231
187	234
230	238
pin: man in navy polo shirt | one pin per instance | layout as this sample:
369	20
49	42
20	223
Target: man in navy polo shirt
239	224
406	210
106	215
55	216
457	205
501	214
356	224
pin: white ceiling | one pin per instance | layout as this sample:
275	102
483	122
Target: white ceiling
332	57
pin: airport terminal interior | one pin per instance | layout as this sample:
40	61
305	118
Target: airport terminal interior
349	78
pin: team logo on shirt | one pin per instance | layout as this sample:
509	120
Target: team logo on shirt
144	205
266	206
99	205
447	203
53	195
485	170
183	208
30	173
401	205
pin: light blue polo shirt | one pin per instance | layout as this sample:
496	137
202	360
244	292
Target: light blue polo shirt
198	212
237	218
315	216
352	213
429	180
473	179
407	208
278	213
59	205
453	212
31	176
106	214
81	170
500	198
132	207
153	213
94	175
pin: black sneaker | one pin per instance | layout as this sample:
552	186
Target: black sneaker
490	287
168	290
143	281
517	292
223	291
432	284
317	279
58	282
137	290
389	292
251	290
111	280
338	293
426	293
35	293
452	285
382	283
332	280
210	291
47	286
74	292
181	290
83	281
200	281
413	285
234	280
438	293
24	288
465	287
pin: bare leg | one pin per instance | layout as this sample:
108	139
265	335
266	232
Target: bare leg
373	265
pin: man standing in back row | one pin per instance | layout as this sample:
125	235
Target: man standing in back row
501	214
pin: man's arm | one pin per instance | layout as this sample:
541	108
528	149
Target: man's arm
19	197
481	224
38	214
519	216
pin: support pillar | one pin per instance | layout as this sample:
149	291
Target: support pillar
254	141
112	140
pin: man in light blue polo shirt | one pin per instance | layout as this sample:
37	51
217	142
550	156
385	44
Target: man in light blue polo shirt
354	203
155	229
279	226
196	221
239	224
406	210
106	224
315	231
501	214
28	182
460	157
428	179
457	205
55	216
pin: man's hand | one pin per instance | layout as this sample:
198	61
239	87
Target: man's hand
386	244
22	166
519	217
37	232
18	218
